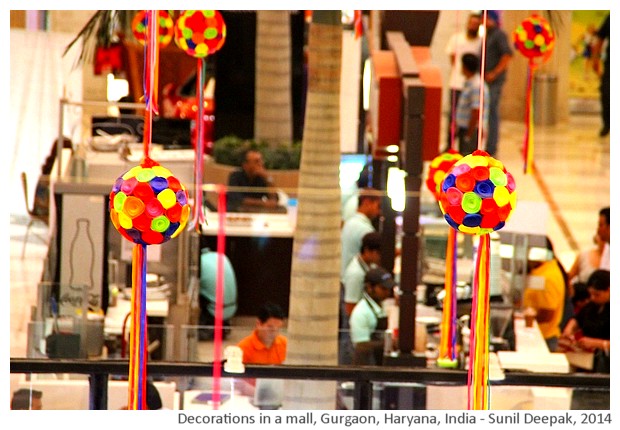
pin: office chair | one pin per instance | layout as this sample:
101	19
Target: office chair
34	215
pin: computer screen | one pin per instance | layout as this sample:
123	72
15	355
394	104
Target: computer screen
351	165
169	132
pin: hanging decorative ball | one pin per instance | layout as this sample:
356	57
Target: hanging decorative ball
166	27
478	194
148	204
438	169
534	37
200	32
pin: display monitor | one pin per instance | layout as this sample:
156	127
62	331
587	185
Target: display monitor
171	133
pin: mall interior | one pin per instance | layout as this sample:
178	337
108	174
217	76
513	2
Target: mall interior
71	271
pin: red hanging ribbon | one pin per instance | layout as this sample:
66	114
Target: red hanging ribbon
447	344
528	140
219	296
358	24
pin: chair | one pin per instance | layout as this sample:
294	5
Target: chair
35	216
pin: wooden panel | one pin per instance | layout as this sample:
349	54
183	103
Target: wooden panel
430	75
18	19
386	101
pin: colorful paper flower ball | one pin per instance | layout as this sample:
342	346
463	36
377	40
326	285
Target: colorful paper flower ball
438	169
534	37
148	205
200	32
478	194
166	27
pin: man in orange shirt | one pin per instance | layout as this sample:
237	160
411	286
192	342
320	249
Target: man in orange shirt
265	345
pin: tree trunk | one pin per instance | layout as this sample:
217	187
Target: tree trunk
315	271
273	106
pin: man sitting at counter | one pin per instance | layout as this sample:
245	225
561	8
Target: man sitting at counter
252	174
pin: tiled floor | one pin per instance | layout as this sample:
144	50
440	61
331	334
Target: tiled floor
573	178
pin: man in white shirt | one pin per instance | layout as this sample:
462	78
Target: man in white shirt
368	320
465	42
353	280
354	228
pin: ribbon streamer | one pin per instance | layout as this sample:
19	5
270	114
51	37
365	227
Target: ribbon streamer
199	217
151	71
528	140
478	373
358	24
457	56
219	296
138	332
447	345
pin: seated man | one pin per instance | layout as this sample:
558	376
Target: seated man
208	288
265	345
252	174
368	320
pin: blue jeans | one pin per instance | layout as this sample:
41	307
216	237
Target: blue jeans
495	91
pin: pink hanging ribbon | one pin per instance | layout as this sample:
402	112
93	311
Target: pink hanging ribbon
199	219
219	295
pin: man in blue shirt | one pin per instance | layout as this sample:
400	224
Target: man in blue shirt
498	55
468	108
252	174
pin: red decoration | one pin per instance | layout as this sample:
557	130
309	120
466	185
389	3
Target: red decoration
438	169
534	37
477	194
200	32
108	59
164	21
148	205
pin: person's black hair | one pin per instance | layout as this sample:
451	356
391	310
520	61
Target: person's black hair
243	153
368	193
365	178
124	110
371	241
153	399
22	398
599	280
471	62
580	292
270	310
605	212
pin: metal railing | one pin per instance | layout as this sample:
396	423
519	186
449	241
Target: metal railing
363	377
